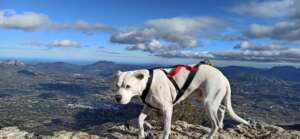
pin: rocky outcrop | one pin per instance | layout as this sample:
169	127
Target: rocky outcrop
183	130
15	133
180	130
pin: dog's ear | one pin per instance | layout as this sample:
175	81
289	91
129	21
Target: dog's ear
119	72
140	76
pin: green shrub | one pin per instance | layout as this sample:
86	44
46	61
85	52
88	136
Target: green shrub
185	111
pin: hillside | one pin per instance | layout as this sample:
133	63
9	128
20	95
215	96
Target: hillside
46	98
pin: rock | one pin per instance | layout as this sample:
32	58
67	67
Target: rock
183	130
180	130
71	135
14	133
259	131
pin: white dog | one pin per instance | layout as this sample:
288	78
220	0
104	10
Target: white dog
208	83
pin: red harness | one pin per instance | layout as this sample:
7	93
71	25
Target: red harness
173	72
177	68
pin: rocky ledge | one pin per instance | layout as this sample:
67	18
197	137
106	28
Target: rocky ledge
180	130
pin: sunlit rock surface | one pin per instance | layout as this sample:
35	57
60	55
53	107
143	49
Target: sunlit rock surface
180	130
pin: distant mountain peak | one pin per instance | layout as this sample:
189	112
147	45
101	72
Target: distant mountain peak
284	67
103	62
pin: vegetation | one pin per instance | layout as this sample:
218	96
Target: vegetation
48	97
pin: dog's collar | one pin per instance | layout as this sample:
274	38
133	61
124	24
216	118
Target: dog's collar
146	90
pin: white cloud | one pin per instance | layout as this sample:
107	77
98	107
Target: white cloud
285	30
32	21
244	51
186	54
167	34
183	25
65	43
26	21
270	52
297	11
152	46
246	45
269	8
288	55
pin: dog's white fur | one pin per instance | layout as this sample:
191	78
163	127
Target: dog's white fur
210	85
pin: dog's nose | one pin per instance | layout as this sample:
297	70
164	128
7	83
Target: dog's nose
118	98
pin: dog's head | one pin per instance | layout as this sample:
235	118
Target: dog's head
130	84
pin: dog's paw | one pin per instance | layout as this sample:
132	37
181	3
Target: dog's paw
141	136
221	126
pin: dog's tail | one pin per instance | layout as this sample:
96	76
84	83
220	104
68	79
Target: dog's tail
231	113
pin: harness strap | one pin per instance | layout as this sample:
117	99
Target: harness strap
172	80
186	84
146	90
177	69
180	92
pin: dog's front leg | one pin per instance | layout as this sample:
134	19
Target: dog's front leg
142	117
167	121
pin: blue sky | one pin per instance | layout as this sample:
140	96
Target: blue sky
252	32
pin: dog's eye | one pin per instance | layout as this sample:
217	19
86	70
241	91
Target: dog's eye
127	86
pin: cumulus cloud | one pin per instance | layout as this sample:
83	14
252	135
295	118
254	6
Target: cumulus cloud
167	34
244	51
246	45
26	21
250	52
285	30
297	11
270	8
287	55
183	25
186	54
152	46
32	21
176	38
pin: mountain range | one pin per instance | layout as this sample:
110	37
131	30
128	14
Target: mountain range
48	97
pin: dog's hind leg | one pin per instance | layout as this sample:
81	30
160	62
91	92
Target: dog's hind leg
219	97
167	121
212	114
141	120
221	116
213	103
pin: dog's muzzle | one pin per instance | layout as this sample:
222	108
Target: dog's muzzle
118	98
